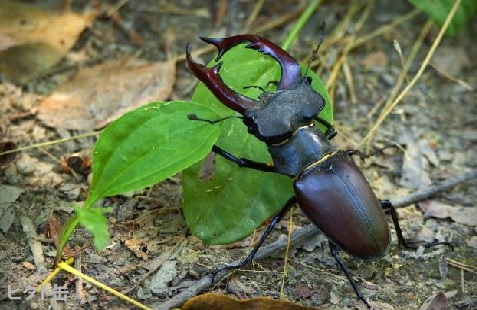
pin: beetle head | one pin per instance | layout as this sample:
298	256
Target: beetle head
210	76
284	112
275	116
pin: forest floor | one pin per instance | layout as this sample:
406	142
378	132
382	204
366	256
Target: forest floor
152	257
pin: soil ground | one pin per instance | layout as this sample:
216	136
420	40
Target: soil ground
437	117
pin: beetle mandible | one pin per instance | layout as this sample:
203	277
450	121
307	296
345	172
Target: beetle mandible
328	185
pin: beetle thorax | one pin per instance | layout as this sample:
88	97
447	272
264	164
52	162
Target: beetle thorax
280	114
307	146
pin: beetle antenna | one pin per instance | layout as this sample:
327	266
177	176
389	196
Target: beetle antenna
315	51
194	117
255	86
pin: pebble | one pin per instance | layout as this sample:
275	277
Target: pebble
25	164
71	191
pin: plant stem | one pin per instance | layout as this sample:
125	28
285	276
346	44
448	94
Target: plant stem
304	17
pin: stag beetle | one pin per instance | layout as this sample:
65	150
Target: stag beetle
328	185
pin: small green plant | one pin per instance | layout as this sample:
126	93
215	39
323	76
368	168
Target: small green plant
139	149
439	9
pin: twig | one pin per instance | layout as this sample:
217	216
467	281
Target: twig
35	245
287	250
282	20
427	192
349	80
48	143
386	28
358	41
462	266
305	233
337	33
38	257
79	288
450	77
331	83
253	15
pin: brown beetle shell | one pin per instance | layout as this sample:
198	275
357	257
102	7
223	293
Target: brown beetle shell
338	199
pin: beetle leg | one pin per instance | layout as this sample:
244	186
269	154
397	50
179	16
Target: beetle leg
194	117
388	206
243	162
211	78
291	73
388	146
335	253
330	130
264	236
255	86
361	155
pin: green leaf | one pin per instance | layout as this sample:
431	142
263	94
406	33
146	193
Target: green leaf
439	9
148	145
68	229
96	223
235	201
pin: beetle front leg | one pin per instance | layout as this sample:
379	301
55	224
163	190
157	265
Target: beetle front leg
260	242
243	162
330	130
335	253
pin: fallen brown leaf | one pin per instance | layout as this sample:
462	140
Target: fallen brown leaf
53	229
472	242
451	60
224	302
8	196
438	302
77	162
418	156
136	246
376	60
33	40
28	265
462	215
98	95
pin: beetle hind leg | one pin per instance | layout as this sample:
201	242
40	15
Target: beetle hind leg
335	253
389	208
